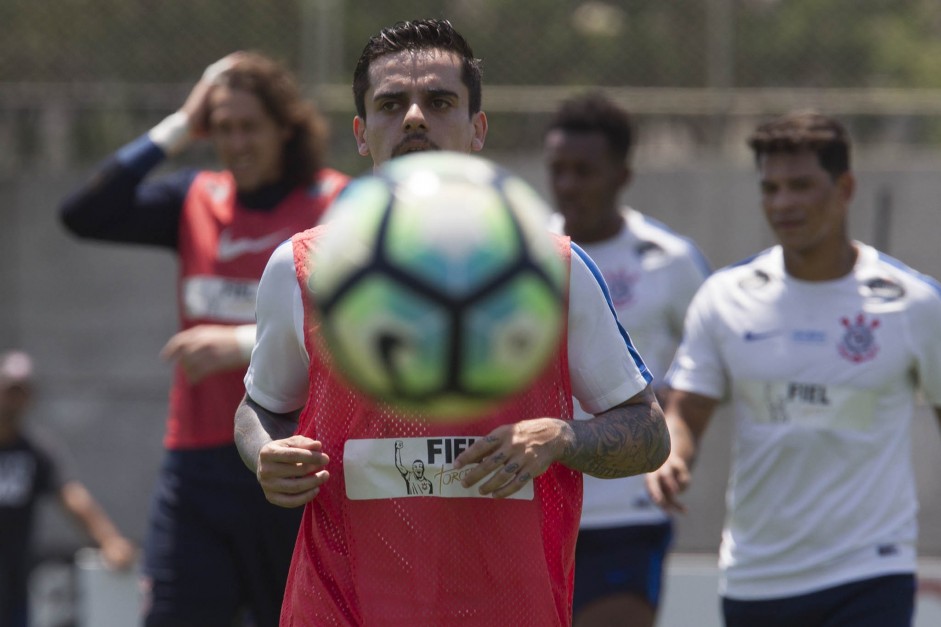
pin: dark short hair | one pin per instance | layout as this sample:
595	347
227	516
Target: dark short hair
593	112
413	36
805	130
280	95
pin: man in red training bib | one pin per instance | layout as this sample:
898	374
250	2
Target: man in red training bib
491	540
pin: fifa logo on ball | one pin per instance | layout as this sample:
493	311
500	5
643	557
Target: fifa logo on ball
437	286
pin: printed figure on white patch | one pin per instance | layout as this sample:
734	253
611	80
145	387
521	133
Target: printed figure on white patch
415	480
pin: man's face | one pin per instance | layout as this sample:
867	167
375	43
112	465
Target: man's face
248	141
805	207
586	180
418	467
415	102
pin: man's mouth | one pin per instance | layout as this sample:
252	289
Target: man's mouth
241	165
413	144
567	209
786	225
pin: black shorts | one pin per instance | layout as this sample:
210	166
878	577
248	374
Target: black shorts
621	560
887	601
215	546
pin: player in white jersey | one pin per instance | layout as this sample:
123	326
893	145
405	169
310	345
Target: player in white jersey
651	274
820	344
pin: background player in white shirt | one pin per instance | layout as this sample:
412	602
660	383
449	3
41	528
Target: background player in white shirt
651	274
820	344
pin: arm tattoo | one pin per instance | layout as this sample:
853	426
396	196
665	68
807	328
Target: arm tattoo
626	440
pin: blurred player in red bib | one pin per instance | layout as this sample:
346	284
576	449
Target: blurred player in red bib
214	545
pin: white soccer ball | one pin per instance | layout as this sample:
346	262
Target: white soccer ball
437	286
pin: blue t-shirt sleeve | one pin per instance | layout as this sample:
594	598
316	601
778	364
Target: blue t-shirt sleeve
117	205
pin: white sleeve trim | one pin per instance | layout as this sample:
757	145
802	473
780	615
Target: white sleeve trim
601	367
245	337
172	134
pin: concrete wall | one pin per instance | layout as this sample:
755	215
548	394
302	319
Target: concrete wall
95	316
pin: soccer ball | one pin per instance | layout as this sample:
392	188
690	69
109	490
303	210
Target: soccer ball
437	287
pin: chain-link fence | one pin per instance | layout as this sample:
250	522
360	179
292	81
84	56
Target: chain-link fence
78	76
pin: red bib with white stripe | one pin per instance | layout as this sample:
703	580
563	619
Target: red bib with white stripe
223	249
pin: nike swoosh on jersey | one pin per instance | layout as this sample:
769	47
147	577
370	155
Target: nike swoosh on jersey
230	248
756	336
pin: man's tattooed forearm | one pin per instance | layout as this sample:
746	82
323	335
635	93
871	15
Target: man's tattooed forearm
625	440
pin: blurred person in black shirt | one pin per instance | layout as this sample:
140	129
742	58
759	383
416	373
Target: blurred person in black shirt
30	469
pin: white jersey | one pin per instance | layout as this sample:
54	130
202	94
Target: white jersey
604	368
652	274
822	380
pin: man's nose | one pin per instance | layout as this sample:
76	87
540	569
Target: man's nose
414	118
564	182
238	139
778	200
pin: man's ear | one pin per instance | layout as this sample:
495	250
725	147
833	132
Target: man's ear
359	132
480	131
847	184
626	176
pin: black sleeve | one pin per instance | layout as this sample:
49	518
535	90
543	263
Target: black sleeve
55	465
116	205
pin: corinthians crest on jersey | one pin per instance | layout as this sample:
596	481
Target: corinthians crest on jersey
859	343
